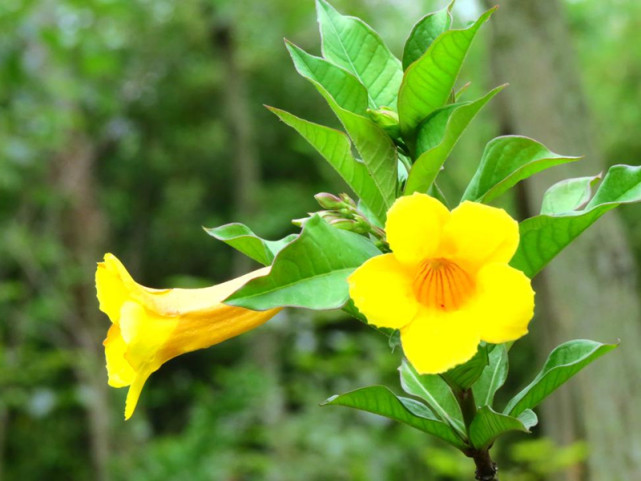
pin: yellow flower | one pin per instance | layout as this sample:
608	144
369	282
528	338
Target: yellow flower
152	326
447	284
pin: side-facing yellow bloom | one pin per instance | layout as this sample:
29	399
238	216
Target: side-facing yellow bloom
151	326
447	284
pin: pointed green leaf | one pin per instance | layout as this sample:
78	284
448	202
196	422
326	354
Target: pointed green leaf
563	363
464	375
424	33
492	378
621	185
488	425
568	195
506	161
353	45
436	394
380	400
243	239
544	236
374	145
311	272
428	82
345	89
436	138
336	148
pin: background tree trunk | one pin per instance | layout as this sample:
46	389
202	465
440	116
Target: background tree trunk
246	165
590	290
82	230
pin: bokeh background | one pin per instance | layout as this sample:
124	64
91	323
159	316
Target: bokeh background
126	125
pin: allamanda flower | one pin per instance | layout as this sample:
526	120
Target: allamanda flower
152	326
447	284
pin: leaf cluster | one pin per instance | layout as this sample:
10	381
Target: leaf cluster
401	119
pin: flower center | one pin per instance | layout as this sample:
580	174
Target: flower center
442	284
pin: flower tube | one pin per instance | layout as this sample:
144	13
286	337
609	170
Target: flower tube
151	326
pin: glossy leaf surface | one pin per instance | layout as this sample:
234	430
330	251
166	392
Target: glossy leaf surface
374	145
428	82
506	161
492	377
424	33
336	149
544	236
568	195
310	272
243	239
380	400
435	392
488	425
353	45
564	362
436	138
465	375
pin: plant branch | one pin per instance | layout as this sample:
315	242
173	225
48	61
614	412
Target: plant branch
485	468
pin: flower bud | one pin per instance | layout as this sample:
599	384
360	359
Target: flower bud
387	119
328	201
344	224
348	201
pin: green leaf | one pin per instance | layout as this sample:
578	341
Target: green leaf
568	195
492	378
352	44
428	82
464	375
345	89
621	185
243	239
488	425
563	363
436	138
380	400
311	272
336	148
424	33
436	393
506	161
374	145
544	236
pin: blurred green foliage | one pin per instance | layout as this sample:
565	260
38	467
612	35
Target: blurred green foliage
139	86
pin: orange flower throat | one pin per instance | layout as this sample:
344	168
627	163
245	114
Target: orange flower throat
442	284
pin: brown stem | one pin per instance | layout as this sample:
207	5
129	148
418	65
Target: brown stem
485	468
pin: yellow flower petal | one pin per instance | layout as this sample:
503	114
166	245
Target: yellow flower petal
120	372
151	326
134	391
174	302
439	340
414	227
382	290
144	333
205	328
477	234
113	284
448	275
504	304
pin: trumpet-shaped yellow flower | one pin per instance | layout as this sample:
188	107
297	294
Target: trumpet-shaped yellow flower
151	326
447	284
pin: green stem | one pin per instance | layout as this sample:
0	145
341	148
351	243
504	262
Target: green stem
485	468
